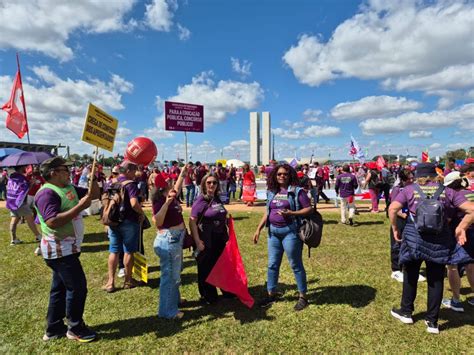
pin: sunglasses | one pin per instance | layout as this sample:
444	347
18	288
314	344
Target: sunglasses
282	174
211	182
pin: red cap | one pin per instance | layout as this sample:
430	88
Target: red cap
300	174
160	182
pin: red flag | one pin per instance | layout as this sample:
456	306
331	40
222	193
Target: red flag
380	162
229	273
16	119
425	157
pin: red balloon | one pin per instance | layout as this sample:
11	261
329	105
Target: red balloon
141	151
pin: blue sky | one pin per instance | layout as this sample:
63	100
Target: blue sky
397	75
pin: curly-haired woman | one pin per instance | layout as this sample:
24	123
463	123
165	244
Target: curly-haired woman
285	203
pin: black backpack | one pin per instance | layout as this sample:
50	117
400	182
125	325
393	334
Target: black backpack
310	226
375	180
429	217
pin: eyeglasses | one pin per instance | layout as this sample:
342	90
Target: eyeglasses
282	174
211	182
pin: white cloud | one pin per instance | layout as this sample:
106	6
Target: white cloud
462	116
183	33
220	99
293	125
373	107
322	131
435	146
45	26
312	115
390	39
309	132
56	107
243	69
420	134
159	14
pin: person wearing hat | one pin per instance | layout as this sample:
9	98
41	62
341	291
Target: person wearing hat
436	247
168	244
17	202
59	205
125	236
460	184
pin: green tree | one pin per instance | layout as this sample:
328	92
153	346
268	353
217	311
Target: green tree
455	154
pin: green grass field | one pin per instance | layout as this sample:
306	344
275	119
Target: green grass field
350	292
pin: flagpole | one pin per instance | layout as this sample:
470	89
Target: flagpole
23	101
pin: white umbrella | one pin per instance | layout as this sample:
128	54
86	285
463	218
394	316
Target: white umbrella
235	162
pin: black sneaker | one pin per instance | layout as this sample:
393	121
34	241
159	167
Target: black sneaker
351	222
432	327
267	301
301	304
82	335
402	317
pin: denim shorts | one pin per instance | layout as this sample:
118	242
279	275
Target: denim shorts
124	237
23	211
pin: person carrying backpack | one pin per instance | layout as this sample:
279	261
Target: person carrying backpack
124	234
373	183
427	238
281	219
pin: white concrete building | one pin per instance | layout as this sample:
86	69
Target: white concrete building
266	138
254	138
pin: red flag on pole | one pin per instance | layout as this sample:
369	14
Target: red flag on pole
380	162
424	157
15	108
229	273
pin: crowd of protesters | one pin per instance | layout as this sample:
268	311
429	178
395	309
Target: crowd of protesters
57	195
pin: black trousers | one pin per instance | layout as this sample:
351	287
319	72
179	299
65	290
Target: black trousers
67	296
215	239
386	195
395	246
435	280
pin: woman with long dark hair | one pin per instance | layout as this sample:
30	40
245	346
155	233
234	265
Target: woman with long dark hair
208	224
286	202
168	245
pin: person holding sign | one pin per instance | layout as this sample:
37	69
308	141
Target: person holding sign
59	205
168	245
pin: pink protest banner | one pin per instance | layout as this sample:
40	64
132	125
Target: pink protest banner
184	117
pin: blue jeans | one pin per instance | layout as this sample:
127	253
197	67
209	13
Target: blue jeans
285	239
190	189
67	297
168	246
124	237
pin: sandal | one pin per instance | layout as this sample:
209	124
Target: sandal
127	285
109	289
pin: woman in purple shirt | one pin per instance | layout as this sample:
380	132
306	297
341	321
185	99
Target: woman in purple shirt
208	224
168	244
285	203
434	249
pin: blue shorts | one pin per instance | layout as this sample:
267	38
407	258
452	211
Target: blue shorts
124	237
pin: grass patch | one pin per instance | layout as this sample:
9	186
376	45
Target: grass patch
350	292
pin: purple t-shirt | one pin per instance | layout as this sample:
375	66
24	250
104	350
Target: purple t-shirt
216	210
48	202
346	184
174	214
469	195
17	190
131	191
281	202
452	199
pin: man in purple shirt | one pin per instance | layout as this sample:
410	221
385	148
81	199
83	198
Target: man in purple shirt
124	237
59	205
346	184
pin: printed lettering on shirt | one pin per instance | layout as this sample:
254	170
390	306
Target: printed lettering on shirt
279	199
346	179
429	191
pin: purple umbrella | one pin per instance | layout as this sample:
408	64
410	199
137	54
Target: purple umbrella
4	152
25	158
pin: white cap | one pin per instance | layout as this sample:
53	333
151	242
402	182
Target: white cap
451	177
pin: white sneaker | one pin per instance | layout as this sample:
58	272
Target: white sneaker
38	251
121	273
397	275
432	327
38	238
16	241
421	278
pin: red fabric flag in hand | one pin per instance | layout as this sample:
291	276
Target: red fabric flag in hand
425	157
380	162
229	273
15	107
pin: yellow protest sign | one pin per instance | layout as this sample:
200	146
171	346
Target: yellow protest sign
100	128
140	267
